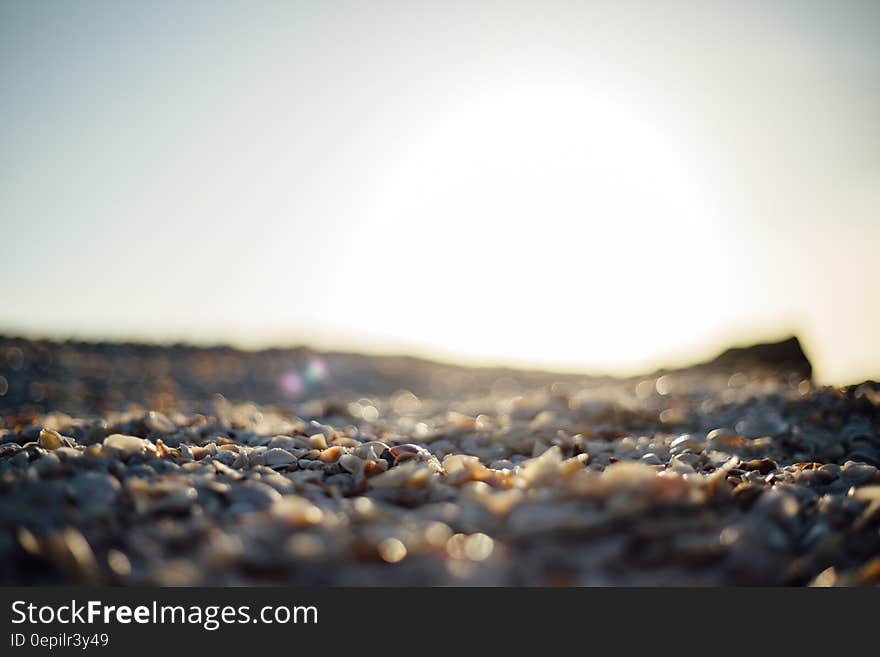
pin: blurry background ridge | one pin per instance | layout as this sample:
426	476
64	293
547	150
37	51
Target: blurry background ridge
77	377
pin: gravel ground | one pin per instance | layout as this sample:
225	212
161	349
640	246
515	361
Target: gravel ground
131	464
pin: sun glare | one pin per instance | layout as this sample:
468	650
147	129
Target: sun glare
547	225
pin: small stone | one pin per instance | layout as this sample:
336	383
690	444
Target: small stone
180	501
157	422
410	475
628	474
541	470
866	493
725	439
50	439
277	457
331	454
858	472
828	472
460	469
402	453
827	578
351	463
478	547
764	466
118	563
305	546
226	470
47	465
285	442
123	446
225	457
252	495
370	451
392	550
297	512
28	542
94	493
71	552
680	466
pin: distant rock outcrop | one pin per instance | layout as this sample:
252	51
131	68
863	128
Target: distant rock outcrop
784	357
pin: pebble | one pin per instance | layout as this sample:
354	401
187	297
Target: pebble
122	446
297	511
48	465
351	463
252	495
93	492
157	422
866	493
392	550
50	439
858	472
764	466
685	442
331	454
277	457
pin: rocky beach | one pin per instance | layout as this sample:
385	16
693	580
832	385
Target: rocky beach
126	464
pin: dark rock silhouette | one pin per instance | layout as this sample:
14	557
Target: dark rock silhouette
784	357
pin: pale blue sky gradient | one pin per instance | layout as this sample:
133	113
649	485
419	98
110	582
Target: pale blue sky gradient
608	186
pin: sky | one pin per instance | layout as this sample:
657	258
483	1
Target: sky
595	186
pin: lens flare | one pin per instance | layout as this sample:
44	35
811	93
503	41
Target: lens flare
297	383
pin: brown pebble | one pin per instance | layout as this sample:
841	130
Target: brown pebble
764	466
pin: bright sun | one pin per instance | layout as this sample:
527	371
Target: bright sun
541	225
